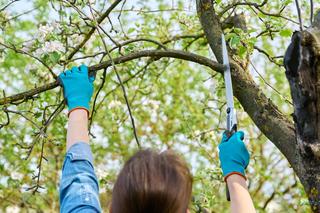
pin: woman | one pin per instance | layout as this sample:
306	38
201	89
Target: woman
150	182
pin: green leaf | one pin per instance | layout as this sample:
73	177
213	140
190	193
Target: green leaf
131	29
54	57
37	114
234	41
242	51
286	33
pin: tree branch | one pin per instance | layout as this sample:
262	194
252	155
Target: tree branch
122	59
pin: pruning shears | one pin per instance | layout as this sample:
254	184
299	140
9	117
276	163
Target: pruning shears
231	112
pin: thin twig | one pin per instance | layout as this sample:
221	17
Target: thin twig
37	185
119	19
90	33
88	56
278	15
96	97
22	115
122	86
299	14
241	4
255	69
311	12
5	7
137	40
274	193
8	120
44	129
271	59
129	108
140	11
55	113
124	82
21	14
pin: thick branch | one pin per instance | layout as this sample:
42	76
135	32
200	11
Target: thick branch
277	127
122	59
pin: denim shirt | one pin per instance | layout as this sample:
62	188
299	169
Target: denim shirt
79	189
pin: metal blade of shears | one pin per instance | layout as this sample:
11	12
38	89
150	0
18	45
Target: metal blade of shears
231	113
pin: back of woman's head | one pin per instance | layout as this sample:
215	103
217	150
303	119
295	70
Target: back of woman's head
152	182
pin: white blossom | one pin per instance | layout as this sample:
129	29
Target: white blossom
121	129
44	30
55	25
1	58
51	46
13	209
16	175
90	16
148	129
78	39
114	104
135	87
153	117
197	132
30	67
101	172
25	49
212	134
6	15
155	104
39	52
27	45
164	117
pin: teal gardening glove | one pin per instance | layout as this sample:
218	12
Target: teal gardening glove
77	87
233	154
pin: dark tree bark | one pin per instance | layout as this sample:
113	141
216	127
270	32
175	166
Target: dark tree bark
302	63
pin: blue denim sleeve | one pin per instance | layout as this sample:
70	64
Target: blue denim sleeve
79	189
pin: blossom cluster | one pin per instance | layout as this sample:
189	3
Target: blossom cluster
41	42
114	104
49	47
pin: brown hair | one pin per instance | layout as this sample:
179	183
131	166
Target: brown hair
152	182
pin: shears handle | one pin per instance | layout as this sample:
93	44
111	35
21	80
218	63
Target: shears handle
229	133
92	74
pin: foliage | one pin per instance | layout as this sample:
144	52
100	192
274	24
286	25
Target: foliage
176	104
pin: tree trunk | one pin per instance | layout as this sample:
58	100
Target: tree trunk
302	62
